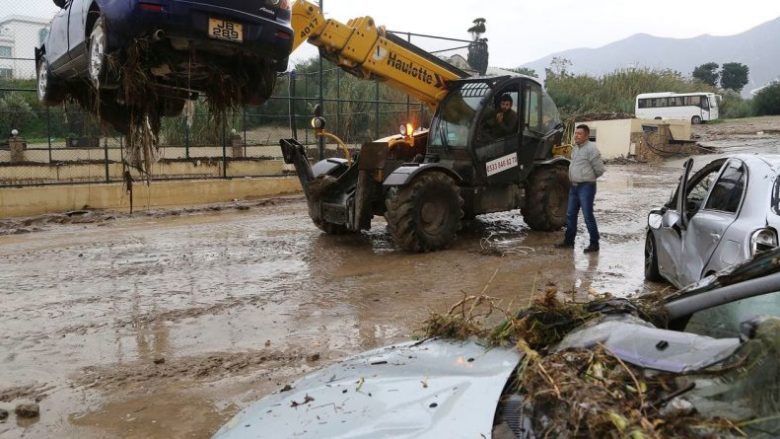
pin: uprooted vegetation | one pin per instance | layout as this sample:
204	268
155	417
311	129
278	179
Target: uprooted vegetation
149	80
592	393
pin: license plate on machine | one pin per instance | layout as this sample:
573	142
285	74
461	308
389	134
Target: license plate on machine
226	30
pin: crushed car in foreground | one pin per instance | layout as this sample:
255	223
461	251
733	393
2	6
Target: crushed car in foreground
608	368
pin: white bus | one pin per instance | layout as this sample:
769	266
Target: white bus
696	107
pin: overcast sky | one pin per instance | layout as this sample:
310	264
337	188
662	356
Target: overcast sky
522	31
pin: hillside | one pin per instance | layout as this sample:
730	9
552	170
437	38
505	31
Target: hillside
758	48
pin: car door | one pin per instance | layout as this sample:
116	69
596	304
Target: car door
707	227
57	42
498	152
670	237
76	34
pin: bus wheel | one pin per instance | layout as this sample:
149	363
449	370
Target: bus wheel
695	120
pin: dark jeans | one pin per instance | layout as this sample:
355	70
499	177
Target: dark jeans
581	196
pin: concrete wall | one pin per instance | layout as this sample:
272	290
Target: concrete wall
39	153
96	172
613	137
36	200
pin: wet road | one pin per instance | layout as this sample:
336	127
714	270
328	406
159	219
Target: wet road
166	325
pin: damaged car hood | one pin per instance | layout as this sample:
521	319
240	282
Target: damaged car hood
433	388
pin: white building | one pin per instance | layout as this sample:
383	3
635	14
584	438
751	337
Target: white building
19	36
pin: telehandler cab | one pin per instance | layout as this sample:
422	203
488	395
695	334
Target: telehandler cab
426	182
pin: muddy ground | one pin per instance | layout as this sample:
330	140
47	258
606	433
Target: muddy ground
164	324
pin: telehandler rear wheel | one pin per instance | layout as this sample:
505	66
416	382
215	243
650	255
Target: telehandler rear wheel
425	215
546	198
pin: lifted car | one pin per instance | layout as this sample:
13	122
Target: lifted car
180	46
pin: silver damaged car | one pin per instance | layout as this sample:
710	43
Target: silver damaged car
729	211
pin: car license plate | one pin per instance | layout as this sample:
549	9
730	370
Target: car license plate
226	30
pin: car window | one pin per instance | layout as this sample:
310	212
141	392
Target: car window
776	196
699	191
727	193
723	321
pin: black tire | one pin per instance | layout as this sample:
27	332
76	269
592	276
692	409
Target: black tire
651	259
426	214
546	198
695	120
50	91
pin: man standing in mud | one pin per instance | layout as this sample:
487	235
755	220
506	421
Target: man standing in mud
586	166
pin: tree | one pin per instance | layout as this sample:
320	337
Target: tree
559	68
767	101
707	73
734	76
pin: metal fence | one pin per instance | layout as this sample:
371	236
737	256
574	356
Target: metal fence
66	145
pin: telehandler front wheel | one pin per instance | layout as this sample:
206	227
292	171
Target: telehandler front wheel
425	215
546	198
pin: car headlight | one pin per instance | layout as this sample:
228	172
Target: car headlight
762	240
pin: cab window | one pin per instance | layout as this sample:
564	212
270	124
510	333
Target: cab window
533	108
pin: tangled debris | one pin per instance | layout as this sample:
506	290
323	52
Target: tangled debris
591	393
149	80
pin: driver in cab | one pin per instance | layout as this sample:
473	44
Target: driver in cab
505	122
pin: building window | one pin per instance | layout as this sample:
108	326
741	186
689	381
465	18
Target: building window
6	73
5	51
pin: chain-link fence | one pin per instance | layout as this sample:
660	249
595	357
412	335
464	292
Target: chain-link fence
66	144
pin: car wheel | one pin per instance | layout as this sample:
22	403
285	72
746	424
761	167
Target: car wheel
49	90
651	259
547	197
97	52
695	120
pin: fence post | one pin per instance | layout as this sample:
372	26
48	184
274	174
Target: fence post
105	159
291	105
187	137
322	104
306	100
408	100
48	130
338	103
224	148
376	109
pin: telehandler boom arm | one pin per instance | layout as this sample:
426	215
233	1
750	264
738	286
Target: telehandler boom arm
368	52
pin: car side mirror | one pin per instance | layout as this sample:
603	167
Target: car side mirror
60	3
670	219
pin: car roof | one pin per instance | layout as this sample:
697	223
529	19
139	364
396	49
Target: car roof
771	160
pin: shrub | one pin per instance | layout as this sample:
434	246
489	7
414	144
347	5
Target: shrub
767	101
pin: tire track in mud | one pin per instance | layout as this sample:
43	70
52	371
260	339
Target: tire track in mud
207	367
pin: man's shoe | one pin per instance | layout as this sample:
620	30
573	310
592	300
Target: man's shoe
591	249
564	245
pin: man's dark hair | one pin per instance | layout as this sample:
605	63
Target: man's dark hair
584	127
505	97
